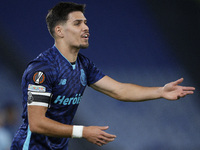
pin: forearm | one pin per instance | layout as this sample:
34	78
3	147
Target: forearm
126	91
39	123
131	92
50	127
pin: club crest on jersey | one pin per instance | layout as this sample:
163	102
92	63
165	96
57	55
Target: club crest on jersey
39	77
83	78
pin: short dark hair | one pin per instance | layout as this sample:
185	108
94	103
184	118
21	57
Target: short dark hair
59	14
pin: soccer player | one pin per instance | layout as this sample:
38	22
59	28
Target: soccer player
54	82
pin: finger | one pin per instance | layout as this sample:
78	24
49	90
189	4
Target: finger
188	92
103	141
99	143
184	93
107	140
185	88
109	135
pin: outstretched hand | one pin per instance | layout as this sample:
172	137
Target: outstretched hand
173	91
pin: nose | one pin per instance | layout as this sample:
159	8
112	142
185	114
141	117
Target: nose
85	27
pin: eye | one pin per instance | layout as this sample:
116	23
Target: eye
77	23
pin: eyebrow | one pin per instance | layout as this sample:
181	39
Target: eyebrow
79	20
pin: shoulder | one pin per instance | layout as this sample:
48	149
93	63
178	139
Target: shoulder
82	57
47	57
44	62
85	60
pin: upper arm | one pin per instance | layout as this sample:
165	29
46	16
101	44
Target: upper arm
37	90
109	87
36	115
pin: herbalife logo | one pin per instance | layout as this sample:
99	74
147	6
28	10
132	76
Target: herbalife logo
63	82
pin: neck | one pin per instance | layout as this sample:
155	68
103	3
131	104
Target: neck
68	52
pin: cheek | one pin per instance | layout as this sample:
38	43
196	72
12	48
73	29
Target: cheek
72	35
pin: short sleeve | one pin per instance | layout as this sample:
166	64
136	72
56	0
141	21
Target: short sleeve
92	72
39	79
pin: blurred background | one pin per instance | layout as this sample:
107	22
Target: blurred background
146	42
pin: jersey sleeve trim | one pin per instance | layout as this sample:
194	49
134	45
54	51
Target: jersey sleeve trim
38	104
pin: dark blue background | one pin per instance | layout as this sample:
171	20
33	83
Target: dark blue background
144	42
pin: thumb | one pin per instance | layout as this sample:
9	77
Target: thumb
104	127
179	81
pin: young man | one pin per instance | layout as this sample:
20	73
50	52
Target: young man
54	82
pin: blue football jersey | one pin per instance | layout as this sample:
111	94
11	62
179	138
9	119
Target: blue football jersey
52	81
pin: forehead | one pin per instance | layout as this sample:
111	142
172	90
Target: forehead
76	15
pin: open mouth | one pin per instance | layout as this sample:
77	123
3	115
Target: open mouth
86	36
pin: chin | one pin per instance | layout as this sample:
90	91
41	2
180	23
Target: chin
84	46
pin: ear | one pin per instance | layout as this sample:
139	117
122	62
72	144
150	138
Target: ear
58	31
